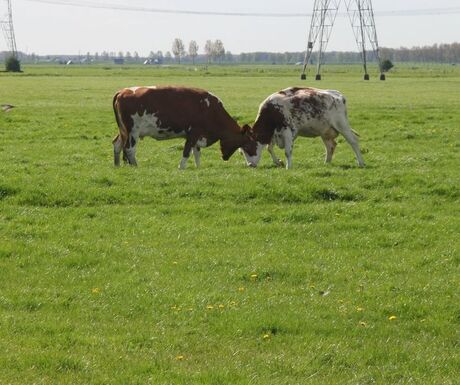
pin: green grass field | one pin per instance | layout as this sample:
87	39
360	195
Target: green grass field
323	274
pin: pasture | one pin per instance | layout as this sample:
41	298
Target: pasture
323	274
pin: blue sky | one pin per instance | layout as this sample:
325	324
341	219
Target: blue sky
46	28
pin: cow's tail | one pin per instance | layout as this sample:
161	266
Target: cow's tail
123	132
344	102
121	139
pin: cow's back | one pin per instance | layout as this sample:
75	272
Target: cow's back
171	102
313	102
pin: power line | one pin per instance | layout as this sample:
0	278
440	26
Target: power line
118	7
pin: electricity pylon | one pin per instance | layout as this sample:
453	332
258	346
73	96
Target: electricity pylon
322	21
6	24
361	16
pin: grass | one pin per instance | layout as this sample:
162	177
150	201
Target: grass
229	275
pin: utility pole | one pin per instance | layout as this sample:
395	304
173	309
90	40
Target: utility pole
361	16
6	24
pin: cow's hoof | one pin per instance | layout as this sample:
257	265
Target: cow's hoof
280	163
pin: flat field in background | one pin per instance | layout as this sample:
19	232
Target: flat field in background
324	274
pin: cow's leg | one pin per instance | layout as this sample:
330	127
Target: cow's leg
277	161
197	155
351	138
130	150
288	145
330	145
185	154
117	147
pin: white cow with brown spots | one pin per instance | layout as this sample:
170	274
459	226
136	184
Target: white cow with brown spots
308	112
175	112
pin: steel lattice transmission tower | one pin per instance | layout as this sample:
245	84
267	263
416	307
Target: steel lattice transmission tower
6	25
361	16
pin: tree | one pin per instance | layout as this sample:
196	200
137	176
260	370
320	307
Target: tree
178	49
168	57
387	65
218	50
193	50
12	64
229	57
208	48
160	57
287	57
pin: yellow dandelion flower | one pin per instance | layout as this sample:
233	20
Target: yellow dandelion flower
267	336
174	263
210	307
241	289
254	276
392	318
221	306
363	324
359	309
180	358
95	290
233	303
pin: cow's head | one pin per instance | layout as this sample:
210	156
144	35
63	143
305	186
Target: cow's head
245	141
253	151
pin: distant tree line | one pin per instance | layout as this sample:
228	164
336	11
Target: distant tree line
437	53
214	52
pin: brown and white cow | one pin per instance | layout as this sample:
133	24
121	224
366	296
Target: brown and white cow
306	112
175	112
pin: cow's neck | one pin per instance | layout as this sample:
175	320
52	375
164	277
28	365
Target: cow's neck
263	133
